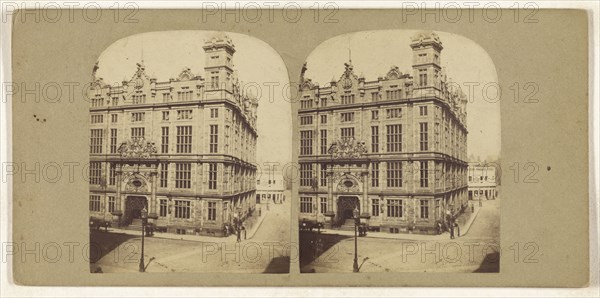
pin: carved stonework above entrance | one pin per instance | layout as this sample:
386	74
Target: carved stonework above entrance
347	148
136	183
137	148
348	183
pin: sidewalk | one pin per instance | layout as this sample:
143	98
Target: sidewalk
464	229
199	238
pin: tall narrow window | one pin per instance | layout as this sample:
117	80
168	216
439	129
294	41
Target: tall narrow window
323	205
111	204
95	203
164	174
113	140
111	175
424	204
163	208
114	118
96	141
165	115
183	175
323	174
375	207
214	113
95	172
394	138
423	77
323	141
305	174
214	138
164	140
423	136
424	174
374	139
306	142
212	176
323	119
212	210
394	174
184	139
375	174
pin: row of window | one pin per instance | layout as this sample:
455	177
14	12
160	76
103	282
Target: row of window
183	139
392	113
393	178
183	175
394	93
182	208
394	207
140	116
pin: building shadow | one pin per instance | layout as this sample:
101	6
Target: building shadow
102	243
278	265
311	250
490	264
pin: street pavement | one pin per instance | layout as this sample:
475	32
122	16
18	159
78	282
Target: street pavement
266	252
477	251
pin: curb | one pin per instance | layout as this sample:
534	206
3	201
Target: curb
257	226
471	223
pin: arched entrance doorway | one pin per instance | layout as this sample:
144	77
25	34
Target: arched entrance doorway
346	206
133	208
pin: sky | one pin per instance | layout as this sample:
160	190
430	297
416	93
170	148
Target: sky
374	52
167	53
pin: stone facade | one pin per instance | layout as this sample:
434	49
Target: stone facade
183	148
394	148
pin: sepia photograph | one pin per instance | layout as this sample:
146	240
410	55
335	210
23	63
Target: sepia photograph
397	161
180	131
307	149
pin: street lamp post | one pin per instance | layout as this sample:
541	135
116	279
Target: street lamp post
355	212
144	218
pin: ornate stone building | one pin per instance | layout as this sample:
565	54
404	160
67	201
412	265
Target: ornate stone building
184	148
394	148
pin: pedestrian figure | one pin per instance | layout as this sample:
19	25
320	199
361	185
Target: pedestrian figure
439	227
226	230
457	229
239	235
259	211
244	229
452	231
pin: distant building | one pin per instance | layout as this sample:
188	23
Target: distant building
482	181
184	149
394	148
270	187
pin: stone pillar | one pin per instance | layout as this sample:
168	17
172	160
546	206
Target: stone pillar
365	197
118	204
152	204
330	205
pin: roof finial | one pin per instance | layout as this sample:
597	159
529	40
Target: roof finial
142	50
349	55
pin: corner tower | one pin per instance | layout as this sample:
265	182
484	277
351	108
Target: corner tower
218	67
427	48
